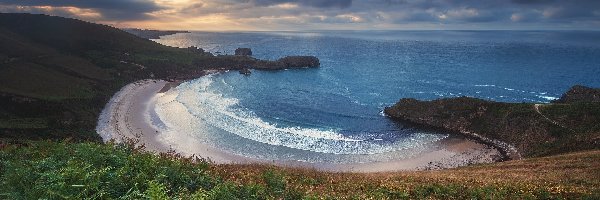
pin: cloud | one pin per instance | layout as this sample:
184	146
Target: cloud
72	12
311	3
533	1
109	9
317	14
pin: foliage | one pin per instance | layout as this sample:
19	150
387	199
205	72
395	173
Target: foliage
52	170
533	129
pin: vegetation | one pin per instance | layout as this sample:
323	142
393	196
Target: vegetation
534	130
56	74
55	170
61	72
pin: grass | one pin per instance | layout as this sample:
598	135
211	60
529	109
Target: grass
97	171
24	123
36	81
531	133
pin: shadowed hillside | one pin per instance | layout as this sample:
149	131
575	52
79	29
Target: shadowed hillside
56	74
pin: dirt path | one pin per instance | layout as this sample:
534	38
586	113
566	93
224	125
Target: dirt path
536	107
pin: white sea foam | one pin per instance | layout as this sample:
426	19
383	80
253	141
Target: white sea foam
212	108
549	98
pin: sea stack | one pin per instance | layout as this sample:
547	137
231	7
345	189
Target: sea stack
243	52
245	71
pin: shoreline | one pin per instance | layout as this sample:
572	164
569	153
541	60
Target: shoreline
507	151
128	115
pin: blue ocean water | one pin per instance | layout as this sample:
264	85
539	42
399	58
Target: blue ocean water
334	113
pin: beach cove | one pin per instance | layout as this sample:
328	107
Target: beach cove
130	114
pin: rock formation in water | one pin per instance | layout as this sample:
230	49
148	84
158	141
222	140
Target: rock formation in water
245	71
243	52
300	61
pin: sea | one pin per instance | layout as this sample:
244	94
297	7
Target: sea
334	113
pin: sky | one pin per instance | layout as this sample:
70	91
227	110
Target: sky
302	15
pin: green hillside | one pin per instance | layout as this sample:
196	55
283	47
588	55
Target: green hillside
56	73
94	171
533	130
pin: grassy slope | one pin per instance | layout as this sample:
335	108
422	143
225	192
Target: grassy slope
58	170
515	123
56	74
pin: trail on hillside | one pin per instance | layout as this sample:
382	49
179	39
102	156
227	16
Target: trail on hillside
536	107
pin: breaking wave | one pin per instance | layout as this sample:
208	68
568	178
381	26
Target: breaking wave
210	106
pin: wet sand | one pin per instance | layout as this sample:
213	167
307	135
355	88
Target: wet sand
129	114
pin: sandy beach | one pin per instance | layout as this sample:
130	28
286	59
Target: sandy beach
129	114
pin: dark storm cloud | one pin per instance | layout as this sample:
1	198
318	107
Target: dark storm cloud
490	13
110	9
532	1
451	12
478	11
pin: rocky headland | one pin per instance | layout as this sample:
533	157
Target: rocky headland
579	93
516	129
151	34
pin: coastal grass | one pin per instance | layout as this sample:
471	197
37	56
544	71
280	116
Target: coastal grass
535	130
575	127
24	123
59	170
36	81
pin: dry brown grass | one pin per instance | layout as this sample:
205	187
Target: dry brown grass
568	175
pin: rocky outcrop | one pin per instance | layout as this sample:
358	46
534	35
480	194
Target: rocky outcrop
288	62
229	62
197	50
243	52
245	71
580	93
300	61
515	129
151	34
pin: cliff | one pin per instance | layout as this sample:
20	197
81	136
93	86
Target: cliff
517	129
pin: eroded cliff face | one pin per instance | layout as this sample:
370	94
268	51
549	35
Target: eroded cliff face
515	128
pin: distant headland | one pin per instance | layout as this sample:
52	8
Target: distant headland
151	34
